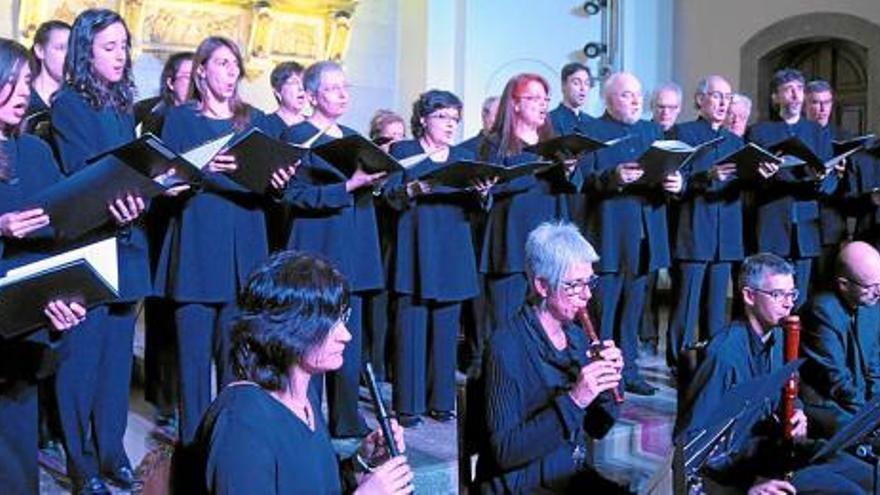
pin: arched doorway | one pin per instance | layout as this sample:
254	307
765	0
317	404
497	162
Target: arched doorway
843	48
841	63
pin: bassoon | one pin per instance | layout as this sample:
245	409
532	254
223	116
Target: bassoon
596	346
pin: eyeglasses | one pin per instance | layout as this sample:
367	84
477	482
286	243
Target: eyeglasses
875	287
345	315
445	118
719	96
575	287
778	295
534	98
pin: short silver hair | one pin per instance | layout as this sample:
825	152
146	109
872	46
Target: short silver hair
552	248
741	99
669	86
311	78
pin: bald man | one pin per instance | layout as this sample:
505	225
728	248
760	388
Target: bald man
840	341
630	218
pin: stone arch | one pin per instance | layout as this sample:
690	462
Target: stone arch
812	27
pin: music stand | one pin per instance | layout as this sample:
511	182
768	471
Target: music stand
863	423
740	408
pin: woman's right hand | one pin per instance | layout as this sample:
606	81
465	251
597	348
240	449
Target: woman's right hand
222	163
392	478
595	378
17	224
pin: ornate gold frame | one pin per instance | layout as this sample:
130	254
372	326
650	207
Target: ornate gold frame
268	31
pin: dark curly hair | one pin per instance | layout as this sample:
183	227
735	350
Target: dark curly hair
13	57
79	70
429	102
289	306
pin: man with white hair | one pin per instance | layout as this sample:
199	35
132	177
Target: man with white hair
665	108
738	113
709	234
630	218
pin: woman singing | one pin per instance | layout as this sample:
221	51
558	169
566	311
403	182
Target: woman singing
522	204
26	167
433	268
91	114
218	236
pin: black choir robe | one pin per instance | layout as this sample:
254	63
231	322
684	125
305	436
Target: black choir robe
218	236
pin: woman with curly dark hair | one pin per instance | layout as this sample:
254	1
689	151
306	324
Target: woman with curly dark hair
265	433
92	114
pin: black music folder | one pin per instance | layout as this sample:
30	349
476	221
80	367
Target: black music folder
80	203
747	160
258	156
794	147
87	275
151	157
571	145
463	173
842	146
350	152
665	157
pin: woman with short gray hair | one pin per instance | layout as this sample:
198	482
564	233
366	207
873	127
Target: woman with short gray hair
544	395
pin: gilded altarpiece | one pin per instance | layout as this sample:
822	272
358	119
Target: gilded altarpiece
267	31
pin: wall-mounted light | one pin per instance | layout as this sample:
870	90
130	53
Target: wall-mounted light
595	50
592	7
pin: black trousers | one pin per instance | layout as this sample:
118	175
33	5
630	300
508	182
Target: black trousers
19	472
92	386
160	355
424	355
203	334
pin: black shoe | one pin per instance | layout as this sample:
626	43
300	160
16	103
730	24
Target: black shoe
639	387
124	478
360	432
408	420
442	416
91	486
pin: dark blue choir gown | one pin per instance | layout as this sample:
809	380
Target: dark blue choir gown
432	270
26	359
340	226
214	240
92	383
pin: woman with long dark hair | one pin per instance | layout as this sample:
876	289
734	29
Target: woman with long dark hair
214	238
90	115
265	433
433	268
26	167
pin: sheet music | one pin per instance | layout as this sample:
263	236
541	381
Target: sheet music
102	256
200	156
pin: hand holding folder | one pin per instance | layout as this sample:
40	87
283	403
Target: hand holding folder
18	224
665	157
86	276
